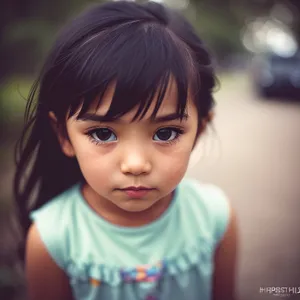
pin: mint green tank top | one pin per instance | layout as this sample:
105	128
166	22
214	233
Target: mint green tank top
171	258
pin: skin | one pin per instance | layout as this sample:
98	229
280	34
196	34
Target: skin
134	156
226	256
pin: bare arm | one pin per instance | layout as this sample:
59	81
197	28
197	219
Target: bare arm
225	264
45	280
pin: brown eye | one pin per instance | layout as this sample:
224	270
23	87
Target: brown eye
164	134
168	134
102	135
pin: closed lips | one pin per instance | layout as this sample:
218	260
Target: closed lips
137	188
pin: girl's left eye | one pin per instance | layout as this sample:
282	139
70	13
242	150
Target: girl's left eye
104	135
169	134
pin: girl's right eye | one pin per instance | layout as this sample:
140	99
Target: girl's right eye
101	135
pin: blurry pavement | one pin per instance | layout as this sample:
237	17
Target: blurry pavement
253	153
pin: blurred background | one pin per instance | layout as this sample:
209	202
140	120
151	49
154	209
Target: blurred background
252	151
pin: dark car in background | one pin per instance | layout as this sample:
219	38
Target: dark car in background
277	76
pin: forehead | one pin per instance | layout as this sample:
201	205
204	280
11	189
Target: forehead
168	105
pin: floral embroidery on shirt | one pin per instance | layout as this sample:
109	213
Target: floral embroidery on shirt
143	273
95	282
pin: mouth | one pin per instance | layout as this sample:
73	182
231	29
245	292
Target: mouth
136	192
138	188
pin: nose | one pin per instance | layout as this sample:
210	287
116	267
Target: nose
136	161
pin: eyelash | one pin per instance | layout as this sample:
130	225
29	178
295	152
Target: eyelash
178	131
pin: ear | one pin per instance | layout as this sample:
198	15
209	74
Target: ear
65	143
208	119
211	115
203	127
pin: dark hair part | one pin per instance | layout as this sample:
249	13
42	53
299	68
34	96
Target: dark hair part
137	46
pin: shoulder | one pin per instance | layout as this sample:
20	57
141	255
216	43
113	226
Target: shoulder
210	206
51	224
52	284
225	260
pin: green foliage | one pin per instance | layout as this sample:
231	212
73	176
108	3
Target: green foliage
219	30
13	95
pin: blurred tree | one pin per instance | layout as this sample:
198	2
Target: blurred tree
220	21
27	29
219	24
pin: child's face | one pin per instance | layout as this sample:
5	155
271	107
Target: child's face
135	154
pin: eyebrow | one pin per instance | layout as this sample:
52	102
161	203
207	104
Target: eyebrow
104	119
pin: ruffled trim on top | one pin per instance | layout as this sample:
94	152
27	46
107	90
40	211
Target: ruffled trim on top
198	254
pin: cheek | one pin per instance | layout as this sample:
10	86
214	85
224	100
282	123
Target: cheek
91	159
175	164
177	161
97	170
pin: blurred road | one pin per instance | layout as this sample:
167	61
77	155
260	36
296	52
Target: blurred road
254	155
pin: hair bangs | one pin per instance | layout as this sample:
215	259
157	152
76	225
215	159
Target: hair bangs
143	59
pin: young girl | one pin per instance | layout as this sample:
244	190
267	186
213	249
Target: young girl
121	102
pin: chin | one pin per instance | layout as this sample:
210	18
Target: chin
136	207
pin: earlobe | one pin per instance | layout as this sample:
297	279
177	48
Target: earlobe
63	140
211	115
67	147
207	120
203	126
